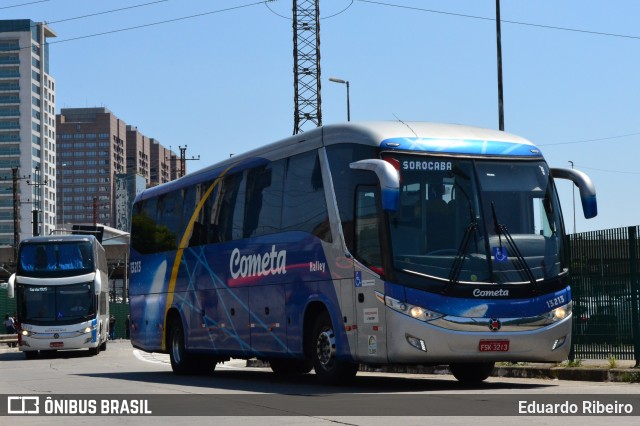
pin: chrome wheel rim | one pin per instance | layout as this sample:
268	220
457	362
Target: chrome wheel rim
326	348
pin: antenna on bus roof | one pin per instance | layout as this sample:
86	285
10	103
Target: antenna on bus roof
398	118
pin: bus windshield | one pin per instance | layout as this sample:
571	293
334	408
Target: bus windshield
56	259
56	304
477	221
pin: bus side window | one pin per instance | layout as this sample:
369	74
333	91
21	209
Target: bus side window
367	240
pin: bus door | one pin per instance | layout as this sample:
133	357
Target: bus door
368	272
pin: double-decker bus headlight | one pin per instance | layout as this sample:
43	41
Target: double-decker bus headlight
413	311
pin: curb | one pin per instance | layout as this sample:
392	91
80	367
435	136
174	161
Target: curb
587	374
550	372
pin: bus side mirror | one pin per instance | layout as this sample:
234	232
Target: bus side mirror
97	283
586	187
389	180
11	285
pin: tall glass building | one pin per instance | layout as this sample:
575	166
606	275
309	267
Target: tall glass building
27	132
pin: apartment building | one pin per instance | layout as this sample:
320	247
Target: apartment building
95	148
27	132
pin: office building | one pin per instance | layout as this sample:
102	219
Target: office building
95	148
27	132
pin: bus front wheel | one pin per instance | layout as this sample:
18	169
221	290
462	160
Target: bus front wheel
323	349
474	372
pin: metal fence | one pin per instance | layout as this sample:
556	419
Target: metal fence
604	283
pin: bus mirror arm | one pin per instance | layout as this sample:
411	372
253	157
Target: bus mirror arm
586	187
388	177
98	283
11	285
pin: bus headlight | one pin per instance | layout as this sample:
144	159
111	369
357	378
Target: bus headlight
413	311
25	333
559	313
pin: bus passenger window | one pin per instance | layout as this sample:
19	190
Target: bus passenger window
367	241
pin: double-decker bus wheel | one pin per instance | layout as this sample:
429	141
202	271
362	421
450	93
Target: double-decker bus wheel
328	368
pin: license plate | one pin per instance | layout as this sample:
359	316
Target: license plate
494	346
56	344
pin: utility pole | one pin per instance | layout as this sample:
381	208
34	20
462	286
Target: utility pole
36	200
183	160
499	43
306	64
15	179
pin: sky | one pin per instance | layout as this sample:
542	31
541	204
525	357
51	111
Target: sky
217	75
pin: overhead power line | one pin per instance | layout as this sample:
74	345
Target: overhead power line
106	12
590	140
529	24
151	24
23	4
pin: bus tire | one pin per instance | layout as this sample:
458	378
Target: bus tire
473	372
182	362
103	346
290	367
323	350
94	351
31	354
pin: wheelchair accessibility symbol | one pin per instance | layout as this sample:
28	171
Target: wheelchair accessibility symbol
500	254
358	279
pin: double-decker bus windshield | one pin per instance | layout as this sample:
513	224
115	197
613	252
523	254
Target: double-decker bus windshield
56	260
476	221
43	304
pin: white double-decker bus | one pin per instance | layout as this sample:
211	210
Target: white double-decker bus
61	286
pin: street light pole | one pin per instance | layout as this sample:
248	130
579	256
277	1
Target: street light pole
345	82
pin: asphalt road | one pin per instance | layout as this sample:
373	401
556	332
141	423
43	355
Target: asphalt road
125	381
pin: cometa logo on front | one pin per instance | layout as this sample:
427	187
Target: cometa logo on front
256	265
490	293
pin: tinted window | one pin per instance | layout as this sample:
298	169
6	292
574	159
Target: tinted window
264	199
346	179
304	205
228	210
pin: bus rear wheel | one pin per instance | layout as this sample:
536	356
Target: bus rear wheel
182	362
323	349
474	372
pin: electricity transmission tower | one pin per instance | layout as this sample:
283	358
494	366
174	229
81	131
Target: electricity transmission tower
306	64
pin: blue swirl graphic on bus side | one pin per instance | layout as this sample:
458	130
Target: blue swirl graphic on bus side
464	146
222	288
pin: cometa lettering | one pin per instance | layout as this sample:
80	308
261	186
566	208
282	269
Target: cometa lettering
427	165
490	293
257	265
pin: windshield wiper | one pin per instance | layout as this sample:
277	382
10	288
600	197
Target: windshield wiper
456	267
520	262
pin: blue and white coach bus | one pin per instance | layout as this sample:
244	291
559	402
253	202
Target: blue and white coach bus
373	243
62	290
